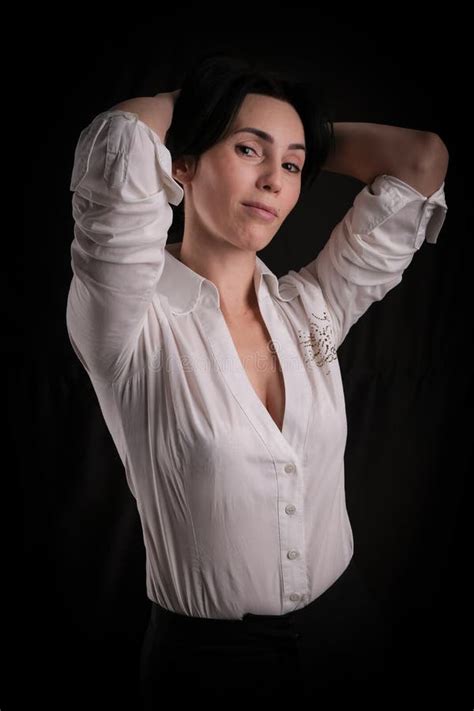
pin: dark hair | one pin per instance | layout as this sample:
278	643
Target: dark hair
211	95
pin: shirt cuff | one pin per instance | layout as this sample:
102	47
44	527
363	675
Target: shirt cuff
399	193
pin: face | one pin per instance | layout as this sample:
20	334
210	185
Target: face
246	168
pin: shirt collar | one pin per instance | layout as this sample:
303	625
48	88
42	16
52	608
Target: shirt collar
185	288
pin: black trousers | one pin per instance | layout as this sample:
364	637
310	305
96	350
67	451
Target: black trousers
336	648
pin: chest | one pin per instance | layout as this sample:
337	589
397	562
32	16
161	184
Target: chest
255	349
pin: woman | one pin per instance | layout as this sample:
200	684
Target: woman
219	381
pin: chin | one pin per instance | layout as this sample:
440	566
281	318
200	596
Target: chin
259	240
256	244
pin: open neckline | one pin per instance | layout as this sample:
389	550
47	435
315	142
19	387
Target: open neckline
247	380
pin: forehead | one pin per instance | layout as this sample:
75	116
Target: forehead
277	117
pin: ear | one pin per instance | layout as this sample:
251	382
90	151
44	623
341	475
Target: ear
183	169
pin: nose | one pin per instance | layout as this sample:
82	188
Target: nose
270	177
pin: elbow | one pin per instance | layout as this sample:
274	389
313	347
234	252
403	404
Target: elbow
434	154
432	164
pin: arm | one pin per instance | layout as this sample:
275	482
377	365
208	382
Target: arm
365	150
155	111
122	184
370	248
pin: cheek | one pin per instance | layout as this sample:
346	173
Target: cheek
220	192
218	181
294	200
214	199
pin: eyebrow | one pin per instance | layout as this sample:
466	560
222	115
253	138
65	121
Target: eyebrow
266	136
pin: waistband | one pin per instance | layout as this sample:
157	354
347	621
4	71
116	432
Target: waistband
162	615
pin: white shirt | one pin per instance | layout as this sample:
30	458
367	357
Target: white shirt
237	515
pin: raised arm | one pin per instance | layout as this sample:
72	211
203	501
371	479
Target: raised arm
366	150
402	205
155	111
122	185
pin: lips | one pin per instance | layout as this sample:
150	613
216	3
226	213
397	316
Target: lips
262	206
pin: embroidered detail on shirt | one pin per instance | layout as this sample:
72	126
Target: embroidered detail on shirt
319	341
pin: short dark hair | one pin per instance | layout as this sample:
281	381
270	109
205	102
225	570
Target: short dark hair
213	90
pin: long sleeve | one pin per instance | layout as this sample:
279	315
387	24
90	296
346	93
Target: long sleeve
369	249
122	184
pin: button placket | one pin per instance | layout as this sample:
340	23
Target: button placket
292	541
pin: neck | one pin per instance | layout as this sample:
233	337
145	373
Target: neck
230	269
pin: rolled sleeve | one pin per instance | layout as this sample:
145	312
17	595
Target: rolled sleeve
369	249
122	186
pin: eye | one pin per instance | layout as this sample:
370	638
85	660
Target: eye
245	148
248	148
298	170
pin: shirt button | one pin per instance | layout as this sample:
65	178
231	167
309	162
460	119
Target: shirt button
290	509
289	468
292	554
294	597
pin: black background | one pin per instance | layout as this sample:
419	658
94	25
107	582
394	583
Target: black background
81	605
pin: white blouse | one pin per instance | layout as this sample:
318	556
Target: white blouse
237	515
